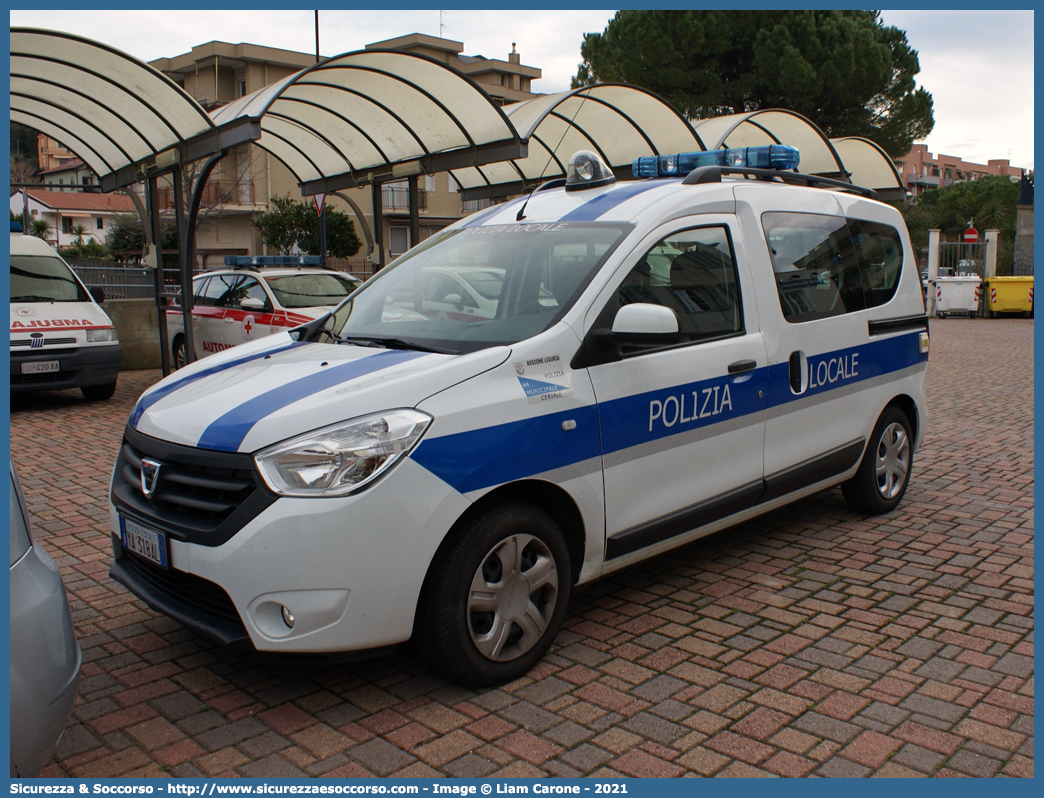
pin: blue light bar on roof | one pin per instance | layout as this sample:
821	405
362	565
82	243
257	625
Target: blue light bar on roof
771	156
272	260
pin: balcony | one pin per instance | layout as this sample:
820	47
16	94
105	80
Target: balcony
923	180
397	198
215	194
470	206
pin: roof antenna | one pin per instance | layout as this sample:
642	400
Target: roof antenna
554	183
561	181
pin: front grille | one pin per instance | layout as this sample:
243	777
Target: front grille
188	590
202	496
26	343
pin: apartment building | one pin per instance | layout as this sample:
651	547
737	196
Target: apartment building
217	73
72	176
72	215
921	170
52	155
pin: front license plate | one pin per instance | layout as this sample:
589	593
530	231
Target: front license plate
40	367
144	542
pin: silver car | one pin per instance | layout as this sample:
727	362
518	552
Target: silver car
45	657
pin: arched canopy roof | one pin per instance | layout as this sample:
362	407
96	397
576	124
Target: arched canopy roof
774	126
870	167
114	111
375	114
618	122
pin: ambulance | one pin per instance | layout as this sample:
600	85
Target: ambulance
60	336
666	358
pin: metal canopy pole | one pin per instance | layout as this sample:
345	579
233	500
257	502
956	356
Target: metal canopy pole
378	221
362	220
157	237
187	296
184	269
414	192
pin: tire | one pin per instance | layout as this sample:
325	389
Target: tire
880	483
178	351
98	393
495	596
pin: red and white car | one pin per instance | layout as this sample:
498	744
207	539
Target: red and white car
236	305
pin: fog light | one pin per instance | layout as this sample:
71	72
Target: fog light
288	617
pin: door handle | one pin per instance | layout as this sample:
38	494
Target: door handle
742	365
229	320
797	378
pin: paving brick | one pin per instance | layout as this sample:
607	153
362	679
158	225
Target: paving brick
761	724
973	764
643	765
790	765
740	747
870	749
380	757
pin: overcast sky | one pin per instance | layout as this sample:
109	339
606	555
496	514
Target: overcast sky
978	65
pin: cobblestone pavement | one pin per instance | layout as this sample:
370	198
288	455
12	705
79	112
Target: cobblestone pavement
809	642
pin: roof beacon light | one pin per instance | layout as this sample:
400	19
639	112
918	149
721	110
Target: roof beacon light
772	156
587	170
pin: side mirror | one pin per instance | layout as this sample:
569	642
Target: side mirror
98	294
643	318
252	303
644	324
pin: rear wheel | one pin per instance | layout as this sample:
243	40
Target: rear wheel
880	482
97	393
179	352
495	596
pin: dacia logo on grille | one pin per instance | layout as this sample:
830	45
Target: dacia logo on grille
150	471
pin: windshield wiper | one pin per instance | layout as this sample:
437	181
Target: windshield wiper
33	298
390	343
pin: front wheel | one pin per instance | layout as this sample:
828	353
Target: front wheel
880	482
98	393
495	596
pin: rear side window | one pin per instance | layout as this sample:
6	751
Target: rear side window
880	253
693	273
218	290
815	263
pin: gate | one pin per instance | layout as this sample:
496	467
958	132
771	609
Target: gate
962	259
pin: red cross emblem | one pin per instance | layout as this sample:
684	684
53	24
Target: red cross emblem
248	327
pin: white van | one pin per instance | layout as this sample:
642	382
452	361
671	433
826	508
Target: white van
60	337
666	358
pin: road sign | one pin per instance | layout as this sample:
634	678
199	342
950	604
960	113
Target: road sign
971	235
320	201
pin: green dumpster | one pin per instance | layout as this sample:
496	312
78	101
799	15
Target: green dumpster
1009	295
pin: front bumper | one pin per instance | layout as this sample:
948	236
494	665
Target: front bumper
350	570
80	367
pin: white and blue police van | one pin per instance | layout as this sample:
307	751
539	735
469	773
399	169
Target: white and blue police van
654	361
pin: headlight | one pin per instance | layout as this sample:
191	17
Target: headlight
336	460
102	335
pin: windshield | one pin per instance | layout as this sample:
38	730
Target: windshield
39	278
309	290
476	287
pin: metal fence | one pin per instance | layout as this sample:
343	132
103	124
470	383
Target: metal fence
118	281
958	258
137	282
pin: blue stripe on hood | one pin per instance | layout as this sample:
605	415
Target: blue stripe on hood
229	430
148	401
